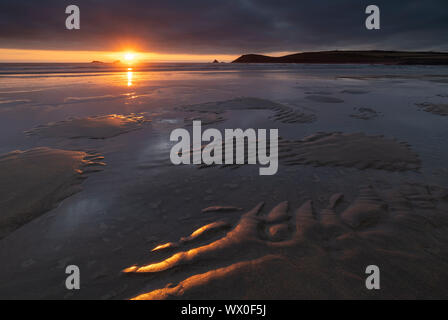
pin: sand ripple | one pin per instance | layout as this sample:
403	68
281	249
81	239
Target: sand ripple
98	127
434	108
320	253
280	112
353	150
365	113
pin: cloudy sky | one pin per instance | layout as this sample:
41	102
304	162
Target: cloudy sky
231	27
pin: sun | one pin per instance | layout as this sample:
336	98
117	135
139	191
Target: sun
129	56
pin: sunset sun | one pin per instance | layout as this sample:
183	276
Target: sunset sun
129	56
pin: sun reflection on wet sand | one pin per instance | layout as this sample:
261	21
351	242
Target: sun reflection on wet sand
130	76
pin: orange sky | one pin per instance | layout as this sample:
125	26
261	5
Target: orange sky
21	55
24	55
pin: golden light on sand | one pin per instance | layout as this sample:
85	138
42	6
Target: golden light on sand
164	246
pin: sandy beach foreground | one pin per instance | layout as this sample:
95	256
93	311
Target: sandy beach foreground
86	179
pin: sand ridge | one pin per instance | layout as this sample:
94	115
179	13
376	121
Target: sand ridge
355	91
352	150
324	99
356	150
95	127
280	112
299	253
440	109
364	113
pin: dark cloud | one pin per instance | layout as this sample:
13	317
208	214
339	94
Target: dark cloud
224	26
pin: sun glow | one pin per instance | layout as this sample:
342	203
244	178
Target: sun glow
62	56
129	56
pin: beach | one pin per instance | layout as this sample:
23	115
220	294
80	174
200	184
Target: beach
86	179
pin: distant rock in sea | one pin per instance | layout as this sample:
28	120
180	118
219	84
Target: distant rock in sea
215	61
355	57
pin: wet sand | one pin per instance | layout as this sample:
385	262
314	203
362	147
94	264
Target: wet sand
362	180
97	127
36	180
327	246
438	109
